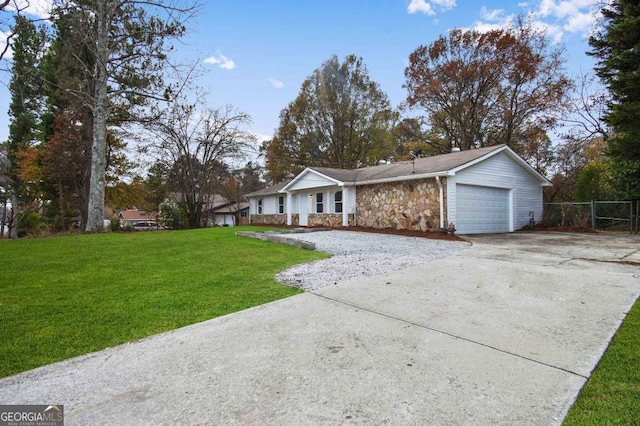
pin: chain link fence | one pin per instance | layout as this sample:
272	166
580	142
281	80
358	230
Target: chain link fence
603	215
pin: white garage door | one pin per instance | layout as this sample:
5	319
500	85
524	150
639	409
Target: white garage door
481	209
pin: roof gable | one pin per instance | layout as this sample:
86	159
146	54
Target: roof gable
511	154
312	178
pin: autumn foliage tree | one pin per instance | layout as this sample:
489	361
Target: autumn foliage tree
485	88
65	159
341	118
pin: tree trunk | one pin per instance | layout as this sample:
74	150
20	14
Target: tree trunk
95	208
62	207
13	217
4	218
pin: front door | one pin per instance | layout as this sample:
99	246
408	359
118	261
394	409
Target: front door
303	209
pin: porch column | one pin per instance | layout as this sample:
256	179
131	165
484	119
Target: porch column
288	208
345	211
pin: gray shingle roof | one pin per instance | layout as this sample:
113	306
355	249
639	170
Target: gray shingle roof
269	190
436	164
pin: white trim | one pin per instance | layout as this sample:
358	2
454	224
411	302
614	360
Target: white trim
510	196
451	200
309	170
303	209
345	214
441	202
288	207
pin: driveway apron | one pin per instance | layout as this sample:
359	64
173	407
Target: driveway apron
505	332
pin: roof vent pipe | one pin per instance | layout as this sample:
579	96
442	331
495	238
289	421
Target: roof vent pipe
455	149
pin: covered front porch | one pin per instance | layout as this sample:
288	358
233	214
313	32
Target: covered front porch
319	200
320	207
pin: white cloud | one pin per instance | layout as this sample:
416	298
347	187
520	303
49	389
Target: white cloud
555	17
445	4
491	14
554	32
574	16
260	137
421	6
275	83
221	60
580	22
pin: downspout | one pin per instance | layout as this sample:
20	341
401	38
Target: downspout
441	202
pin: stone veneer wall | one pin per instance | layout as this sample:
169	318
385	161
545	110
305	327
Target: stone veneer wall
411	205
333	220
268	219
322	219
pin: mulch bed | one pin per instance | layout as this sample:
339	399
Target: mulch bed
433	235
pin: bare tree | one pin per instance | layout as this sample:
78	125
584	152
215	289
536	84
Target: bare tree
195	143
588	106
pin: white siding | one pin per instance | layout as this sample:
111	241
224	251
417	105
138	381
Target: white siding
311	180
500	171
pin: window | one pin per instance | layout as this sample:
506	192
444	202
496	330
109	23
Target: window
319	203
338	202
281	205
244	213
259	205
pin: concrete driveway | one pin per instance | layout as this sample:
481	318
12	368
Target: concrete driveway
505	332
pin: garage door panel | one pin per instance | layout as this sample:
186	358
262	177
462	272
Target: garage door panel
481	209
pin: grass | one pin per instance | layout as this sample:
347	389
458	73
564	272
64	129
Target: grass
612	394
65	296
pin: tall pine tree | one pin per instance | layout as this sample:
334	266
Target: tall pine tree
617	47
25	109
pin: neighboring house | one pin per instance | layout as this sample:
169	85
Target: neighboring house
209	205
137	219
480	191
232	214
209	201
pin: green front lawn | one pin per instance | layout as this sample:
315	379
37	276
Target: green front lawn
65	296
612	394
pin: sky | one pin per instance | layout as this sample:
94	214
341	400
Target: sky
256	54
